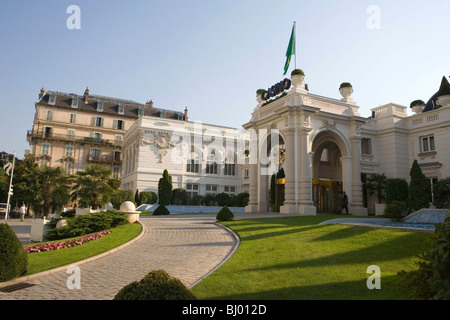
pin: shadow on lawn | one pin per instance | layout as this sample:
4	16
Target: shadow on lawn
381	252
345	290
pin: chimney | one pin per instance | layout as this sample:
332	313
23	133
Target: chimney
149	104
185	114
42	93
86	95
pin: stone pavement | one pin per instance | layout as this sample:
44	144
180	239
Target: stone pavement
188	247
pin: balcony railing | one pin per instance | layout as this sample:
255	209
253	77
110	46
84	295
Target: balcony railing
73	138
104	158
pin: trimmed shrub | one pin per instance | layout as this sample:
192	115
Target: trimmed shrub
165	189
148	197
179	197
396	210
157	285
121	196
432	279
396	190
419	188
224	199
86	224
441	191
161	211
13	258
225	214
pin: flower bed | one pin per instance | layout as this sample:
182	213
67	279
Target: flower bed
55	245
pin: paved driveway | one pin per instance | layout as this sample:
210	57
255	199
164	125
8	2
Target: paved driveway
188	247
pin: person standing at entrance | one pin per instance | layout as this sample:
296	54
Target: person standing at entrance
340	202
345	205
22	211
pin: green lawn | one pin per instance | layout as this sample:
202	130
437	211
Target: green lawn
295	258
41	261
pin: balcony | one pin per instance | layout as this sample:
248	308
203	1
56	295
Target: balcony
66	137
104	158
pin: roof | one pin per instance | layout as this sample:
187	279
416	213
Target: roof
110	105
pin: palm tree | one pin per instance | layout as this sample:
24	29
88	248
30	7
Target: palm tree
49	184
376	185
94	186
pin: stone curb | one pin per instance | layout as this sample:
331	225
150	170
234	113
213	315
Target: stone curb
226	258
59	269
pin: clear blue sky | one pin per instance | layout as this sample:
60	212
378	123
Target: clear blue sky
212	56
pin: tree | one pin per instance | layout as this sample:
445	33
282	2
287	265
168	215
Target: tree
94	186
376	185
419	188
396	190
165	189
441	191
50	191
137	199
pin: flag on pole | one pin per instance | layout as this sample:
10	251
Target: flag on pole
290	50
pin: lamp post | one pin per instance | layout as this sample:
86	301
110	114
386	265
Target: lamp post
10	192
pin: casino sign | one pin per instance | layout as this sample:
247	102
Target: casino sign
276	89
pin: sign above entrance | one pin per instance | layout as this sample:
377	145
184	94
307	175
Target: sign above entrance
276	89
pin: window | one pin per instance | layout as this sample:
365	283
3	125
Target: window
69	151
95	154
71	134
246	173
117	156
192	166
191	190
97	121
325	157
97	136
428	144
47	132
52	99
119	139
366	146
211	189
45	149
74	103
43	162
100	106
230	190
211	167
116	172
73	118
118	124
121	109
229	169
49	115
68	167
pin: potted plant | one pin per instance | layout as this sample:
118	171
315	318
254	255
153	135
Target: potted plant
376	185
346	89
417	106
297	77
259	93
444	93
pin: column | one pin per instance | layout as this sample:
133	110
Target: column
290	180
306	204
357	206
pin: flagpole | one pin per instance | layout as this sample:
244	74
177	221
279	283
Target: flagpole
9	190
295	43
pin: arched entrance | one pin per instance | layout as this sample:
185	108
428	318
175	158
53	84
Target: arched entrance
327	172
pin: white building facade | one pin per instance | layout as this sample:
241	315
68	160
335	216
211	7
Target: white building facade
324	145
201	158
329	147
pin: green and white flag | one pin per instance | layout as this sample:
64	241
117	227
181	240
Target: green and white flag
290	50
